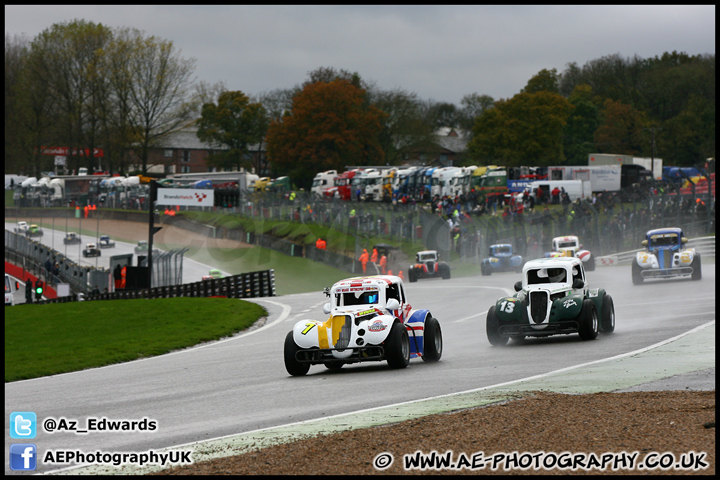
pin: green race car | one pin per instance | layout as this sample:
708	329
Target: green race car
553	298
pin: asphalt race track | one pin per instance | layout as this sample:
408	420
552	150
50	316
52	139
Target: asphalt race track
240	384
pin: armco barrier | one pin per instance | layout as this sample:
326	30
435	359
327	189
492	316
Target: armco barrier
244	285
705	246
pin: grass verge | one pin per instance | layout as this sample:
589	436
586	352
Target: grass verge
43	340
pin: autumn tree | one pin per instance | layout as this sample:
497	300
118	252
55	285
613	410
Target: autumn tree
330	125
235	123
524	130
621	129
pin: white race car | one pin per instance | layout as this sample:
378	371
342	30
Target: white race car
569	246
370	320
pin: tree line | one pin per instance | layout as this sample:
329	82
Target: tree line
83	85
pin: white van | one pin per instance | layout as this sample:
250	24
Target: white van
11	286
574	188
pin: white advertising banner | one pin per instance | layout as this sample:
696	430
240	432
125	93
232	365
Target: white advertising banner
190	197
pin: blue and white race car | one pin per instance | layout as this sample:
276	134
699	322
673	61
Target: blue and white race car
369	320
665	256
501	259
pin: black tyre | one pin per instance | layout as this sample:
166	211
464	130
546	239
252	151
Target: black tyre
588	320
636	277
412	276
397	346
485	270
292	366
590	265
445	272
697	267
607	324
432	340
492	326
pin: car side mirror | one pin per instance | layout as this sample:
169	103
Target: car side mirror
683	240
578	283
392	304
518	286
327	308
644	243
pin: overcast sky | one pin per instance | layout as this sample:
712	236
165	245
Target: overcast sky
438	52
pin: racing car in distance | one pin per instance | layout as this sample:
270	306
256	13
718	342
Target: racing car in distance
106	242
569	246
370	319
91	250
428	265
71	238
21	227
34	231
666	256
142	248
553	298
501	259
214	273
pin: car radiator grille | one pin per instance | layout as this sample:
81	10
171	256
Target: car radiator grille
430	266
666	258
342	324
538	306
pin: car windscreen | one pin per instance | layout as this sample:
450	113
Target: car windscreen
357	298
664	240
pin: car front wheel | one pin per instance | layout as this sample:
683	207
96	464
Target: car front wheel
697	267
607	325
292	366
637	278
397	346
432	340
588	321
492	327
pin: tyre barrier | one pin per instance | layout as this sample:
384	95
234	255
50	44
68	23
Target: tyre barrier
245	285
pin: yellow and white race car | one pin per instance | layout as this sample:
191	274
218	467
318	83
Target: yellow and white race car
369	319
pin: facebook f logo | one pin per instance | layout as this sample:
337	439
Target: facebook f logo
23	456
23	425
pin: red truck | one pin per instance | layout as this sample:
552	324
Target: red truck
343	185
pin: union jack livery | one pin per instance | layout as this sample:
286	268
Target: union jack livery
665	256
569	246
370	319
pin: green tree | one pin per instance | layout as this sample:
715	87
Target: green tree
524	130
544	81
233	122
404	127
578	134
65	57
330	126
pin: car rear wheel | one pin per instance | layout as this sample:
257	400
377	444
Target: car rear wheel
292	366
492	327
588	321
397	346
411	275
607	325
432	340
